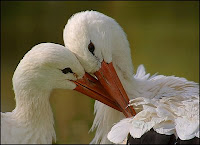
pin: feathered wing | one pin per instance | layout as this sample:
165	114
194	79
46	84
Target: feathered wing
169	105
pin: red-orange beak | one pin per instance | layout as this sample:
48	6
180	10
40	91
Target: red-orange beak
91	87
110	81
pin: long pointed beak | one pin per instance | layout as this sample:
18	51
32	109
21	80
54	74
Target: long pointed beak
110	81
91	87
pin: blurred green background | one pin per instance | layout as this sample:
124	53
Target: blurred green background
164	36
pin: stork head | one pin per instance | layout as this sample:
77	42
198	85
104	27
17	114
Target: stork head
95	37
49	66
101	46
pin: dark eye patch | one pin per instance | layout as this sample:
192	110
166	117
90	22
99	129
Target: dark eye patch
91	47
67	70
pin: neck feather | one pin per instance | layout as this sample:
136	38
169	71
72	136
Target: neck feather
33	110
33	105
128	82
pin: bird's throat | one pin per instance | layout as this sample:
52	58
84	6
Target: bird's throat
33	107
33	113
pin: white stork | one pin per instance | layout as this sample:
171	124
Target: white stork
168	104
45	67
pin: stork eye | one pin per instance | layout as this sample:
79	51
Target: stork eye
67	70
91	47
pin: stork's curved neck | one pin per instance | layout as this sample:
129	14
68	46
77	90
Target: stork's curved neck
127	80
33	109
122	62
32	119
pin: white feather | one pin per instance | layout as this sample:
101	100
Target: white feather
104	119
37	74
159	100
123	127
170	105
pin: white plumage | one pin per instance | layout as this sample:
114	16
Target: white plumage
167	104
35	76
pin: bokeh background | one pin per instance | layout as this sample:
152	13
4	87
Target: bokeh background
164	36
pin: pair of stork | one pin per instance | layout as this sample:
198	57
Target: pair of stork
96	61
